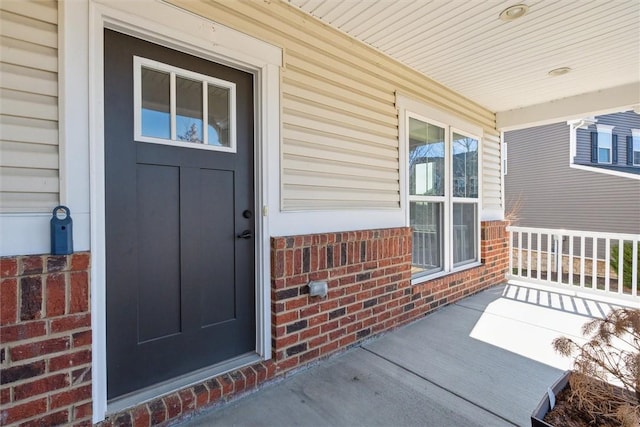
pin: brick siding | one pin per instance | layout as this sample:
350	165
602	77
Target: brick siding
45	340
368	273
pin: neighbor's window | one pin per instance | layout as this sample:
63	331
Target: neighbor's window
602	143
443	197
180	107
635	144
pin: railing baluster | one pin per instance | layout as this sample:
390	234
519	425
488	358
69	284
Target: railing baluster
529	255
549	251
594	265
634	269
510	252
607	267
620	263
559	259
538	264
571	260
582	261
520	253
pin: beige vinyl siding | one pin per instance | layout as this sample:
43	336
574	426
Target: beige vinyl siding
29	163
339	120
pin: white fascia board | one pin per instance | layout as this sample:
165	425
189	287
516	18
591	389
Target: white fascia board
606	101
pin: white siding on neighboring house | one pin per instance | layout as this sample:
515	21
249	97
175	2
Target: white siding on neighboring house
28	106
339	121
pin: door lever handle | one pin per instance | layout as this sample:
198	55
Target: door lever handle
246	234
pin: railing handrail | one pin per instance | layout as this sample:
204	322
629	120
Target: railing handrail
576	233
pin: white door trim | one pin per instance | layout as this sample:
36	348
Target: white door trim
172	27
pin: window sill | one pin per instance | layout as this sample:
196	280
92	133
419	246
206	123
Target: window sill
422	279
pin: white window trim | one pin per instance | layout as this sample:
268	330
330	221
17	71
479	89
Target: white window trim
175	28
409	107
139	62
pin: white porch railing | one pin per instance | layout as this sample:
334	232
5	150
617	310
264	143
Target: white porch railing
575	260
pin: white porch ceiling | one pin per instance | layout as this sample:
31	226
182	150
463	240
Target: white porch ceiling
504	65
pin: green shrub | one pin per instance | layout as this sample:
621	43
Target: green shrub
627	262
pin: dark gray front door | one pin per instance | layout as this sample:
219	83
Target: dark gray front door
180	283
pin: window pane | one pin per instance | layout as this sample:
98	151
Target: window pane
636	150
604	140
188	110
426	159
218	102
426	222
464	233
465	166
604	147
156	110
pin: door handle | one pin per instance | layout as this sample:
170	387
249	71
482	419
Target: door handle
246	234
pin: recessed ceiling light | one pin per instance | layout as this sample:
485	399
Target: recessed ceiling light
559	71
514	12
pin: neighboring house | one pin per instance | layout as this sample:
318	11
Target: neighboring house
612	143
579	175
216	158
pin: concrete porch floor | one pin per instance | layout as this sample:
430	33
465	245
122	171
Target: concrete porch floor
484	361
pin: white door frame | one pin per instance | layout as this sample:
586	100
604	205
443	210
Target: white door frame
81	67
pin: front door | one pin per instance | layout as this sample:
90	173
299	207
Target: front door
180	246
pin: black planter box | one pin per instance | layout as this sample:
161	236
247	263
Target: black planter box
545	406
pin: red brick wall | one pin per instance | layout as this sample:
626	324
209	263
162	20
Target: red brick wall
45	340
368	273
45	330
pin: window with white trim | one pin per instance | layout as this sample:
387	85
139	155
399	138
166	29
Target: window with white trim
604	144
443	196
180	107
635	147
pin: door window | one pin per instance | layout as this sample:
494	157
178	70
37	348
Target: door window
180	107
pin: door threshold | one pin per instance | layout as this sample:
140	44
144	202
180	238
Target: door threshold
135	398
